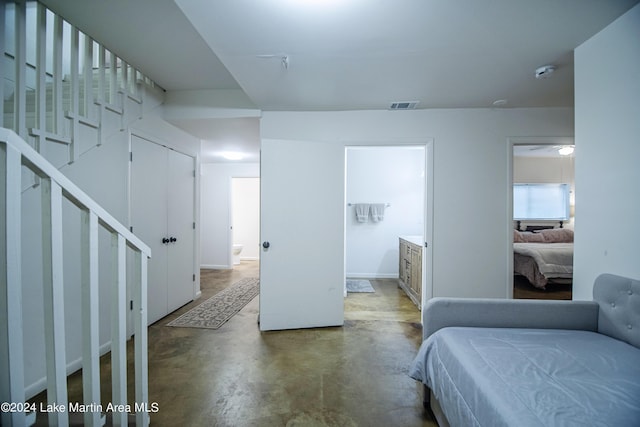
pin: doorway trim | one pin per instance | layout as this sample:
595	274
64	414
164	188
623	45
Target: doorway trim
511	142
428	209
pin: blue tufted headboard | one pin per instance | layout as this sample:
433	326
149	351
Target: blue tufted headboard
619	314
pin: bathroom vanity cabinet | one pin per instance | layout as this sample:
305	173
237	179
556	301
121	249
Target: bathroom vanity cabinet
410	268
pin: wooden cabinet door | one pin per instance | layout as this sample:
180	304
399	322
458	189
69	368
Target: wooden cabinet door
401	262
416	270
410	273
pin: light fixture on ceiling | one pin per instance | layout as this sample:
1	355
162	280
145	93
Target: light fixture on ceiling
232	155
565	150
545	71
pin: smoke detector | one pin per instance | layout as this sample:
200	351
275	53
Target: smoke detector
545	71
403	105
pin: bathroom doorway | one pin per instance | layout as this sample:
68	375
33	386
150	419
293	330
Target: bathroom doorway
385	193
245	219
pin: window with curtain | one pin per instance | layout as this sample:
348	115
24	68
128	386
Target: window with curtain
541	202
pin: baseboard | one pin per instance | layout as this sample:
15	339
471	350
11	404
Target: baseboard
372	276
249	258
73	366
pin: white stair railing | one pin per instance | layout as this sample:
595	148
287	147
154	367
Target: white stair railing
15	153
56	81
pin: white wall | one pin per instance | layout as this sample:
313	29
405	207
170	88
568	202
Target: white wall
245	208
393	175
607	108
215	243
471	177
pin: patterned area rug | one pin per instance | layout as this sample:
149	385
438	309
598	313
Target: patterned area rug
359	286
221	307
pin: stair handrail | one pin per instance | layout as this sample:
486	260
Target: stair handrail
15	153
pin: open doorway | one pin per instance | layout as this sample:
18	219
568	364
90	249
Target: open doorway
385	203
542	197
245	219
303	215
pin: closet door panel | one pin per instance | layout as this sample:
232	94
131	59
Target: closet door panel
149	180
180	211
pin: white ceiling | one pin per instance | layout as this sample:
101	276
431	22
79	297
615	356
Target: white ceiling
351	54
539	151
366	54
241	135
544	146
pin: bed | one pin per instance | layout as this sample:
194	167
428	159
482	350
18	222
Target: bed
544	256
499	362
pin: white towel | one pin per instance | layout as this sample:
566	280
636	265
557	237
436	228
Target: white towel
377	212
362	212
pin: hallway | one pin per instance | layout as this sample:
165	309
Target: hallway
237	376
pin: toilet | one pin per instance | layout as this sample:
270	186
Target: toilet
237	248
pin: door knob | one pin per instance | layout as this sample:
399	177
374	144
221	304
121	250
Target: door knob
165	240
266	245
173	240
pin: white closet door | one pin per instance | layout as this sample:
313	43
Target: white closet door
180	207
302	219
162	215
149	217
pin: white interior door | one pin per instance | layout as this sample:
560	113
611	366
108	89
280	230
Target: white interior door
149	217
302	223
180	220
427	250
162	215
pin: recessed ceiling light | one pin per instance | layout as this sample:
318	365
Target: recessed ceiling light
232	155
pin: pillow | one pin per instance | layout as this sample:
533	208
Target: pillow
557	235
533	237
527	237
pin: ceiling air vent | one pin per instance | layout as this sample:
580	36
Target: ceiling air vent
405	105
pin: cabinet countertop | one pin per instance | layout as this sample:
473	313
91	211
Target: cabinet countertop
416	240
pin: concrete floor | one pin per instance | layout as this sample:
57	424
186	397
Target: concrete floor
355	375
